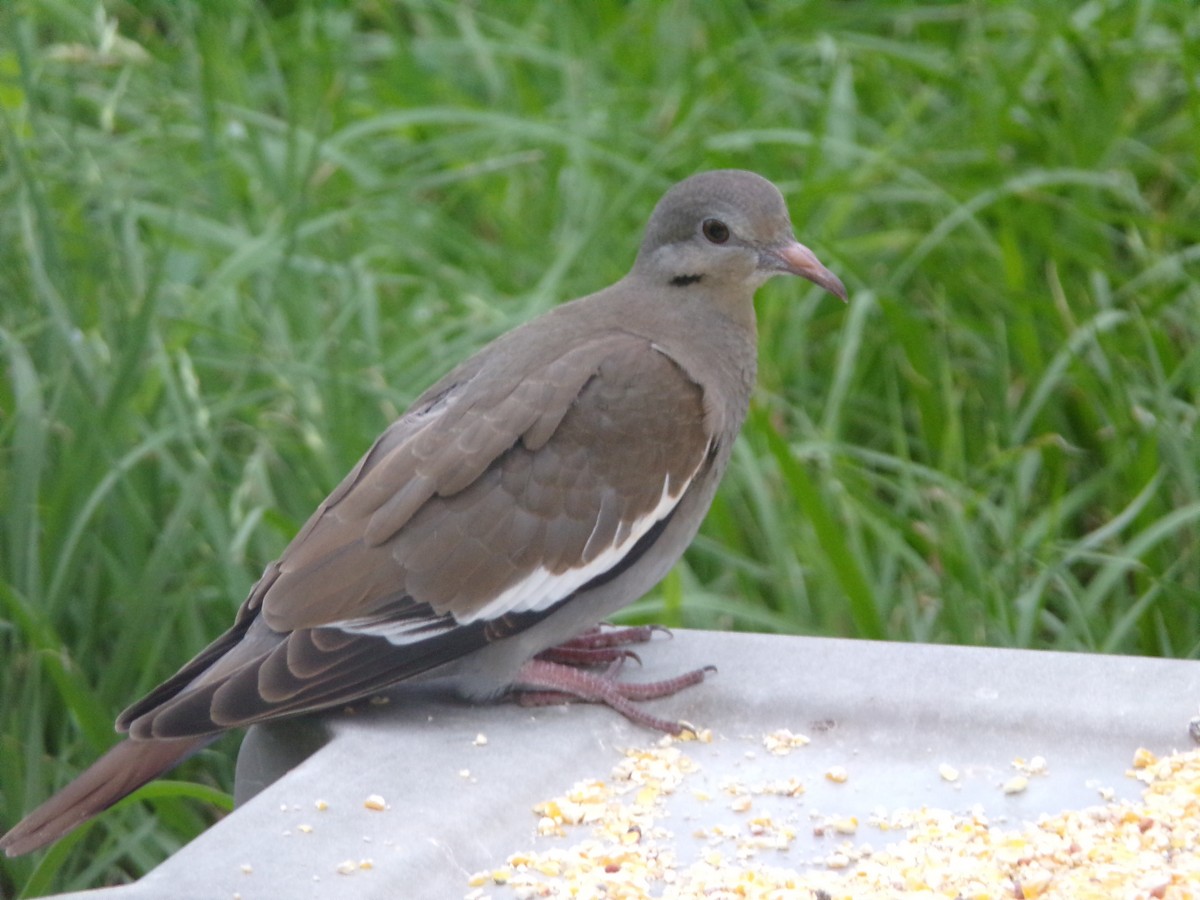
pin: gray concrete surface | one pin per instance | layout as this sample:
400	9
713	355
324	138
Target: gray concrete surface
889	713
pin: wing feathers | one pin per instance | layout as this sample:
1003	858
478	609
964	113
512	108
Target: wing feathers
478	513
398	508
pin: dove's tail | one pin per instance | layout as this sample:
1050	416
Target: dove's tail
120	771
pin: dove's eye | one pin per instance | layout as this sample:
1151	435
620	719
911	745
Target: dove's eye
715	230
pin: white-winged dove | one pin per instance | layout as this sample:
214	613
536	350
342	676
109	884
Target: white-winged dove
543	484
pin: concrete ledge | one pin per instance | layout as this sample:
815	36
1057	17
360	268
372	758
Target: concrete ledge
891	712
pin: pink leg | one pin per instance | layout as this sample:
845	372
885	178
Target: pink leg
541	681
601	645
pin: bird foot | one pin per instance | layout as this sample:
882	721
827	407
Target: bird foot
542	682
601	644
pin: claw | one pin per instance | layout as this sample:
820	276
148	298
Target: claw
541	682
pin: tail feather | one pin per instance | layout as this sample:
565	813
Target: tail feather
119	772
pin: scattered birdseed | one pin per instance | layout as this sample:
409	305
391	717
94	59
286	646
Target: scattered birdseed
375	802
480	740
948	772
837	774
1033	766
1143	758
247	869
1016	785
1148	848
321	805
846	825
783	741
304	829
347	867
782	787
838	860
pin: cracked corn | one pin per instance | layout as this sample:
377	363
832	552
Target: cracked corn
1148	848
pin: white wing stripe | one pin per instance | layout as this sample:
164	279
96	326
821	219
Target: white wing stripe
542	588
397	631
538	590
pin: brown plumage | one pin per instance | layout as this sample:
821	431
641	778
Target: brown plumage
546	482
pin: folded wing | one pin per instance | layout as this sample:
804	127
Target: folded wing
471	518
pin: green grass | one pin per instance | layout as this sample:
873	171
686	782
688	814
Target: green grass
236	240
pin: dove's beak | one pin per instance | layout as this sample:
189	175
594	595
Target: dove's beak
799	260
